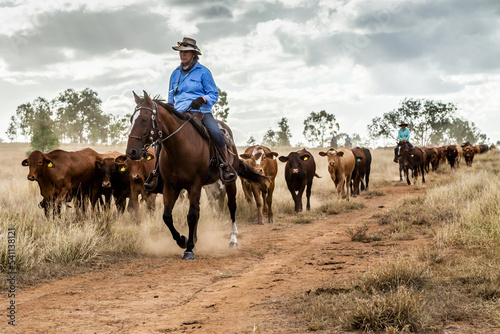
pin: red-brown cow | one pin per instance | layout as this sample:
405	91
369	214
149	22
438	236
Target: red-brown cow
62	176
263	160
117	180
468	151
453	155
300	170
139	171
359	170
341	164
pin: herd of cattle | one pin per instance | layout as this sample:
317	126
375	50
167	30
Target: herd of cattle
86	176
420	159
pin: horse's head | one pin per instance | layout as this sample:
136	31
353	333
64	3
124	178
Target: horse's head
143	122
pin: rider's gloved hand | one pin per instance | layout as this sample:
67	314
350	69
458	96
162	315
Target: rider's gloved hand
196	104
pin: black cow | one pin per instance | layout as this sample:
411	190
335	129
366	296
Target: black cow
300	170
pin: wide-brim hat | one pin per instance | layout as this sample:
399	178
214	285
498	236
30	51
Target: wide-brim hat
187	44
403	124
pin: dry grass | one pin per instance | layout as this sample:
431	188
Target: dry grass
456	278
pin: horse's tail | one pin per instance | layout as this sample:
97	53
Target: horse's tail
247	172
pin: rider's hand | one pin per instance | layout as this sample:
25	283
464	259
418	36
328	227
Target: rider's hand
403	140
196	104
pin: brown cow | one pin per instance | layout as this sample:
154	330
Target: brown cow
263	160
117	180
300	170
139	171
341	164
62	176
97	183
453	155
468	151
432	158
359	170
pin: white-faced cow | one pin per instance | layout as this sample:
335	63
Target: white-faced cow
263	160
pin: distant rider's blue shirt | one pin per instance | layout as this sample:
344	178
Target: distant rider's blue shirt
184	88
404	134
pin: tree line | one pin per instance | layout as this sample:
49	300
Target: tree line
77	117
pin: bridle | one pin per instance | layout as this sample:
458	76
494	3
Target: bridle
156	126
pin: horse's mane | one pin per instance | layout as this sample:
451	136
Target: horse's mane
169	107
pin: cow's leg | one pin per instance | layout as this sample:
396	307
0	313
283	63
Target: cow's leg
231	204
120	203
348	186
423	178
260	203
169	197
269	203
246	190
150	202
308	196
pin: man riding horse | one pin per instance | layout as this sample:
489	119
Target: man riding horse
193	88
403	136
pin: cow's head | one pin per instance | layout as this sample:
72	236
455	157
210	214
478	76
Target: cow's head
38	163
295	160
108	166
258	159
137	168
332	155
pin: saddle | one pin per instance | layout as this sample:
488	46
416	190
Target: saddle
154	182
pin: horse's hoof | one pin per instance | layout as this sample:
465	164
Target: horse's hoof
233	245
260	222
182	242
188	256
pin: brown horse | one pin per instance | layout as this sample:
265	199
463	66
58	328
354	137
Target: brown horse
185	163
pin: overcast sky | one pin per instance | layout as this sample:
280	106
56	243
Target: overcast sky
283	58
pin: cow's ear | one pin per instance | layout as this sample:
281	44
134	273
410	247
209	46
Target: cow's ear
340	154
149	156
323	154
246	156
305	157
121	159
283	158
99	165
271	155
25	163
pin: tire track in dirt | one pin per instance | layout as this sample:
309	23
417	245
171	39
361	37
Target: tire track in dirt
234	291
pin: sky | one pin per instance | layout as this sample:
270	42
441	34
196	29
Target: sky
282	58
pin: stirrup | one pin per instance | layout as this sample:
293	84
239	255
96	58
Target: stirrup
227	169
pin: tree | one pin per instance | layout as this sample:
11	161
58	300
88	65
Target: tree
251	141
80	117
427	121
12	129
284	134
43	137
270	138
320	127
220	109
118	129
461	131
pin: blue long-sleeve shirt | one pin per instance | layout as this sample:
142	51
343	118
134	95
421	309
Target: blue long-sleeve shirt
184	88
404	134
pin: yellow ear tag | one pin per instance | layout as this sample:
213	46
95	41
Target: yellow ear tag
412	155
305	158
122	169
50	165
149	157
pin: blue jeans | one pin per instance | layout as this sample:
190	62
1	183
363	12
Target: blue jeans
213	130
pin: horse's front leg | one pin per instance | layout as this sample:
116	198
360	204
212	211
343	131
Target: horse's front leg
231	204
169	198
192	219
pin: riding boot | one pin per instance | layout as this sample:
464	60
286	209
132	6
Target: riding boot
227	172
395	158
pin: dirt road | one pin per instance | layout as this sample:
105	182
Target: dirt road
232	292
